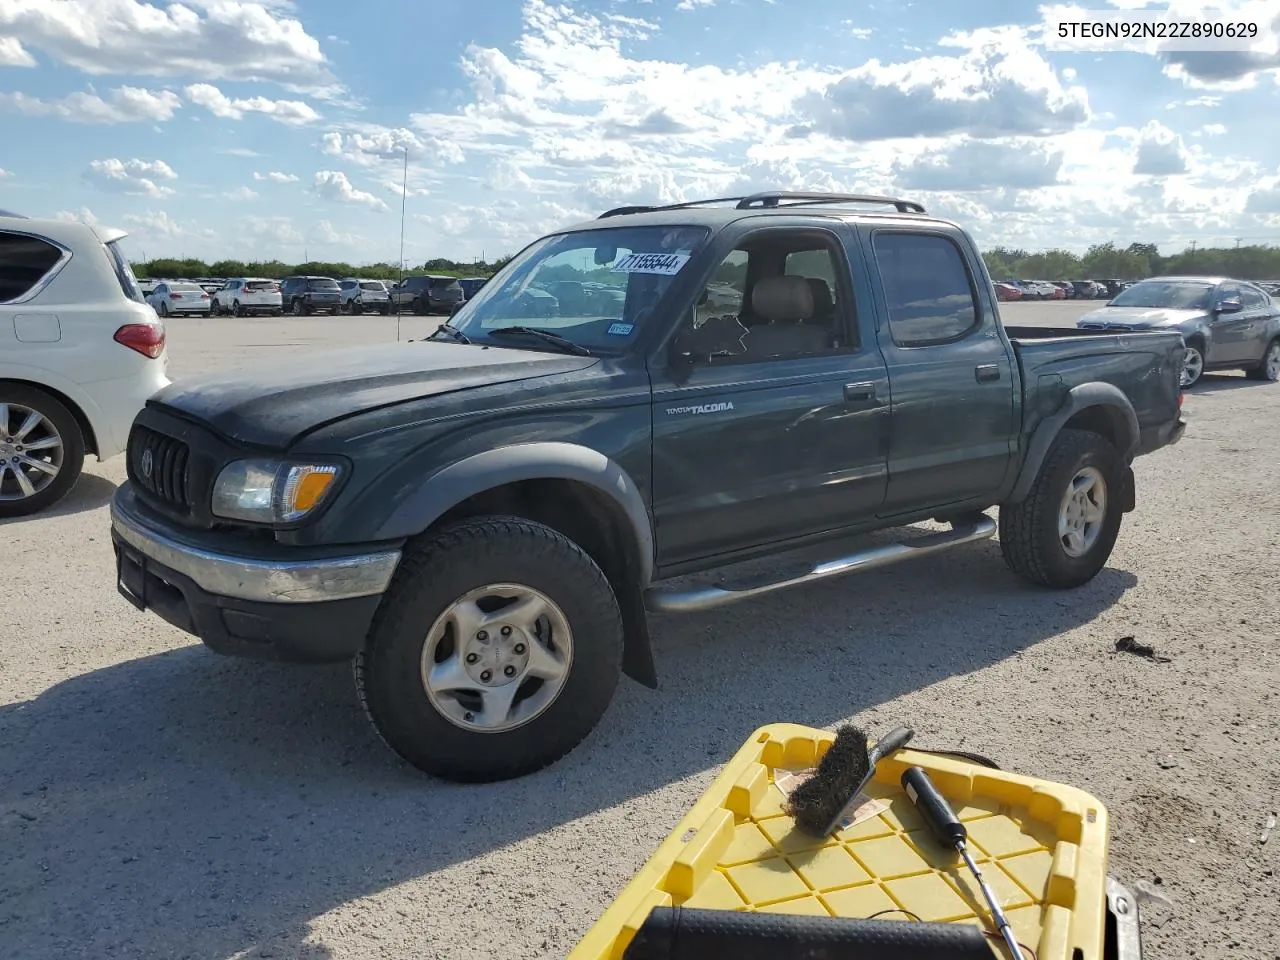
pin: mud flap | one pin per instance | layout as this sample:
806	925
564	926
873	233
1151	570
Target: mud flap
1128	492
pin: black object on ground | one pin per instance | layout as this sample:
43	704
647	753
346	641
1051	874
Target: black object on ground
1130	645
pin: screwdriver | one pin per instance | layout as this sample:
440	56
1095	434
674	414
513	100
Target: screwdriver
946	826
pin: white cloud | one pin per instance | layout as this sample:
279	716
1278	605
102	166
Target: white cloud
275	176
83	215
1160	152
982	165
4	173
206	39
157	224
124	105
1213	130
12	54
369	144
131	176
292	112
326	235
271	232
241	193
334	185
687	5
239	152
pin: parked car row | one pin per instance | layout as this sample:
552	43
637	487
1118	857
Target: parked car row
1008	290
305	295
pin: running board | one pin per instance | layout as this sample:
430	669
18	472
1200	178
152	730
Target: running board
708	597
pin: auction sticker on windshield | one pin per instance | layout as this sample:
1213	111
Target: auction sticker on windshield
660	264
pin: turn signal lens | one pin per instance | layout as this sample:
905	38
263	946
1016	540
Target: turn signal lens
304	488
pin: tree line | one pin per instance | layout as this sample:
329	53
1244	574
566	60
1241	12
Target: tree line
169	268
1107	261
1103	261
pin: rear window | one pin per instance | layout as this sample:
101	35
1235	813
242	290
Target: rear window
322	284
124	273
372	285
445	283
260	285
186	287
24	262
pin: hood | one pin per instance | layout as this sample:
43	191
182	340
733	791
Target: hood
272	402
1139	318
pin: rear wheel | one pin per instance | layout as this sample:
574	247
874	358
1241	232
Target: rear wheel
420	307
1269	368
41	450
236	309
215	309
1062	534
163	309
496	650
299	308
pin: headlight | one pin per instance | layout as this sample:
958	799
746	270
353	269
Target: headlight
271	491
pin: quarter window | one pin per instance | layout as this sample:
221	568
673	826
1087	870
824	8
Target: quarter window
927	288
24	262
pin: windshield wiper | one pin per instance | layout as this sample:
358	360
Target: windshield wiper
451	332
568	346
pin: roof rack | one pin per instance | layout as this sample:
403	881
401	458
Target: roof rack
772	199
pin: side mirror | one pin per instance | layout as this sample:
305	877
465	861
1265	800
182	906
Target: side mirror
605	255
1232	305
719	336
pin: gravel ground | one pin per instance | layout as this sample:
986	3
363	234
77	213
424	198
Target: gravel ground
158	801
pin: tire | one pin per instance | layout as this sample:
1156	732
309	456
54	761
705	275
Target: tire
420	309
215	309
164	309
1193	364
278	313
1269	369
19	499
1029	537
299	308
236	309
438	572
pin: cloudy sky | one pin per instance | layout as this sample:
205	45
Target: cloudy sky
221	128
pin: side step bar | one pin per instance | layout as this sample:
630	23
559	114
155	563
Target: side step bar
708	597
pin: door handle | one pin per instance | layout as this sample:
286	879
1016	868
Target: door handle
986	372
860	392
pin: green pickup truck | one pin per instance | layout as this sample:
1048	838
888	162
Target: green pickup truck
482	520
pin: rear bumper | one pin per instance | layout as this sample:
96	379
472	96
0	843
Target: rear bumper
308	608
1165	435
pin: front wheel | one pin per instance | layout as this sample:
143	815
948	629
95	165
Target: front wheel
1062	534
496	650
1269	368
1192	365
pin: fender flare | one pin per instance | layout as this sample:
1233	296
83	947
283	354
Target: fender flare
1082	397
550	460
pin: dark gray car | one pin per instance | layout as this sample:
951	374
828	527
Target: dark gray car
1227	324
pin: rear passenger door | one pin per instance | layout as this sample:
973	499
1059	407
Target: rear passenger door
953	428
788	437
1230	331
1259	310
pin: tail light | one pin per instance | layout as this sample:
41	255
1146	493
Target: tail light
146	338
175	296
204	296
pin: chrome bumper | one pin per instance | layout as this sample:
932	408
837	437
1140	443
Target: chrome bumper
251	578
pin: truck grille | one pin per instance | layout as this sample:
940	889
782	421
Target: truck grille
158	465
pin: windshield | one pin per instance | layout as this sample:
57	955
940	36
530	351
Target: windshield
322	285
1168	295
596	288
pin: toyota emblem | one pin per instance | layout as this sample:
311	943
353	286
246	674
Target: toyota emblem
148	463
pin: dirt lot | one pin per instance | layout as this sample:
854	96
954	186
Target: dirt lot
157	801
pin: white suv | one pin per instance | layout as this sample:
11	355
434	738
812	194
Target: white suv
361	295
246	295
80	353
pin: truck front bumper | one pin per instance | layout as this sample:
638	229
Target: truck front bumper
298	605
